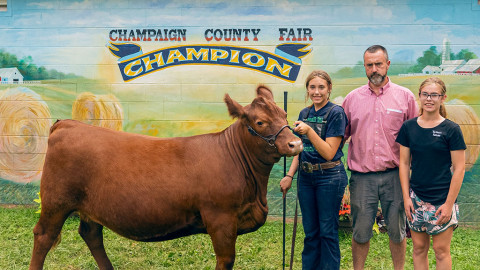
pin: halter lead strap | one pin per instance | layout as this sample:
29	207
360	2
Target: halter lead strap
270	139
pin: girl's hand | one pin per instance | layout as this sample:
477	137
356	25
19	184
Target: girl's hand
285	185
301	127
409	210
444	213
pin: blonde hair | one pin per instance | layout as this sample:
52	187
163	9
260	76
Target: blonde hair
439	82
320	74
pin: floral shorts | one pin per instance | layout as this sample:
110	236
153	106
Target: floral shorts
424	219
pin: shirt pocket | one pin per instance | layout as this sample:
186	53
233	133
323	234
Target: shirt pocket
393	120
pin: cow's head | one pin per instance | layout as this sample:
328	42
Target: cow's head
265	125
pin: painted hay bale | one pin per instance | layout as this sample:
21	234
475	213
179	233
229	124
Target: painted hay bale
98	110
338	100
464	115
25	122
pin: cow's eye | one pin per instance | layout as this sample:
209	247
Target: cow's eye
259	123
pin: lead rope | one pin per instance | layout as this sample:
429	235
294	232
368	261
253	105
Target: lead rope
285	95
295	218
294	233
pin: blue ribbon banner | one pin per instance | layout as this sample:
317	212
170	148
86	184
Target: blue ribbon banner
284	64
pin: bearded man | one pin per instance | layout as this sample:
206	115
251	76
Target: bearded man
375	114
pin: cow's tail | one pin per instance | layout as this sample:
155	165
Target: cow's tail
57	240
54	126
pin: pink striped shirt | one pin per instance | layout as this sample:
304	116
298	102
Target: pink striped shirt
373	125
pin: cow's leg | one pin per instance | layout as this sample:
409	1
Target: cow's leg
46	234
92	234
223	232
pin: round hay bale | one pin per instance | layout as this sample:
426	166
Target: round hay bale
464	115
98	110
25	122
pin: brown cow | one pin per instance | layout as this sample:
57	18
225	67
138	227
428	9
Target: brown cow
152	189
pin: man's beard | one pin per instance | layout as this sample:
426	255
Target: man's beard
377	79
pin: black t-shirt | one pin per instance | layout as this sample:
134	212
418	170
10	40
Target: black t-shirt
335	126
431	158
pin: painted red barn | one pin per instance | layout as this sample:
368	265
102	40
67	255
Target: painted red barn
471	67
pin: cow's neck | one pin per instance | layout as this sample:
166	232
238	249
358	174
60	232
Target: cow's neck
253	165
256	171
254	208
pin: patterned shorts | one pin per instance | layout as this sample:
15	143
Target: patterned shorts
424	219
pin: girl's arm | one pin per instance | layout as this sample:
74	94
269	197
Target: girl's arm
286	182
458	162
404	172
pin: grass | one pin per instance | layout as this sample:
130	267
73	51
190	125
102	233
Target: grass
258	250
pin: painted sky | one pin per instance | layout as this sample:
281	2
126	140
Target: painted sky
70	36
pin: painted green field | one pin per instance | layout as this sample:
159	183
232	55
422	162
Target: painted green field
181	110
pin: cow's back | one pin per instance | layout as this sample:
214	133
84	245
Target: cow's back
139	186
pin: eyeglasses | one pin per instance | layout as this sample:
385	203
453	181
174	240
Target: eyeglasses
433	96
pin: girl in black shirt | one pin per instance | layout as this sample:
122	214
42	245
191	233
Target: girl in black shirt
429	146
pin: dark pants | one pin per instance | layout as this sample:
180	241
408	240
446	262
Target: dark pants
320	194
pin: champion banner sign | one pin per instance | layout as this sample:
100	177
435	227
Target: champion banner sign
284	64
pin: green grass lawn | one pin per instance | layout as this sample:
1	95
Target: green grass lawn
258	250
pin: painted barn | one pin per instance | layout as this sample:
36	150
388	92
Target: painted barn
10	75
451	66
471	67
431	70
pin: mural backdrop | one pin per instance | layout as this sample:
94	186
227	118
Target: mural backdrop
161	68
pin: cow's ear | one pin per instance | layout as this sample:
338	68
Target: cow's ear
263	91
234	108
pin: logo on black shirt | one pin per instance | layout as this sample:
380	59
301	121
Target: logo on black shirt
437	133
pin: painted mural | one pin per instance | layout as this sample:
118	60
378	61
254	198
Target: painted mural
161	68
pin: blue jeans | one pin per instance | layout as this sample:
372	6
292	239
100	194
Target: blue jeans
320	194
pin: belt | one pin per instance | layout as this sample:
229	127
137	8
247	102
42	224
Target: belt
380	172
309	167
